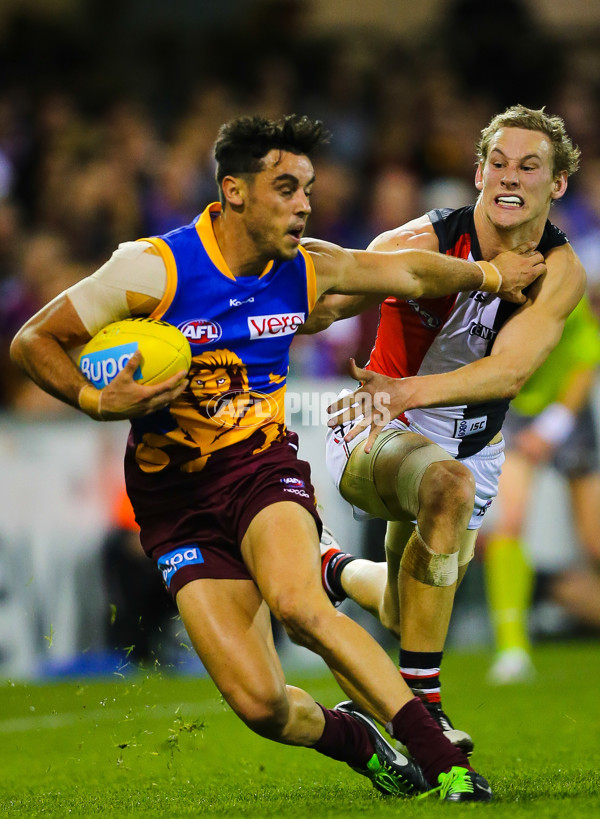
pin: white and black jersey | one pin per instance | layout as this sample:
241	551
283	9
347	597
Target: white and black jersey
429	336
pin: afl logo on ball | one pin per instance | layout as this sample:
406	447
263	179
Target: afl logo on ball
201	331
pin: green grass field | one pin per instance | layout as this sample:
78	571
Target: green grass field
156	745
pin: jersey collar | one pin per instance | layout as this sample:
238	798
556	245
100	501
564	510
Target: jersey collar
205	230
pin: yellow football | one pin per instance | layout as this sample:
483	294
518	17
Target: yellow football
164	348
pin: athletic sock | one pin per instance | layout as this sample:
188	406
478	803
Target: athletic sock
509	580
332	565
419	732
421	672
345	739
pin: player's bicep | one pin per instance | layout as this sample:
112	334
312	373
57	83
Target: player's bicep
132	282
535	329
527	338
57	320
97	304
419	234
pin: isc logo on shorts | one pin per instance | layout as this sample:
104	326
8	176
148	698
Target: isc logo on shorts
102	366
469	426
173	561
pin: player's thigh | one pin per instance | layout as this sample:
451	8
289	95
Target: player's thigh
229	625
385	482
281	549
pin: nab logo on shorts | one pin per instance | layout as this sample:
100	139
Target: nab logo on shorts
201	331
102	366
295	486
293	482
173	561
275	325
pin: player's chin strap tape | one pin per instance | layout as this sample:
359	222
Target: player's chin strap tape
90	401
427	566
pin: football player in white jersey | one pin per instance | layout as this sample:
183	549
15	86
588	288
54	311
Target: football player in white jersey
419	443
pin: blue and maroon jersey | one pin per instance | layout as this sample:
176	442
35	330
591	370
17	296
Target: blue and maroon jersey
240	330
428	336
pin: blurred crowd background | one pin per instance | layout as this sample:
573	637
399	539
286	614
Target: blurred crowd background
108	113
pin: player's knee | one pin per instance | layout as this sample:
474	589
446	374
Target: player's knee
428	566
303	623
447	488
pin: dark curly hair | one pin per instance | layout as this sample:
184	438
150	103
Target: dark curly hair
242	143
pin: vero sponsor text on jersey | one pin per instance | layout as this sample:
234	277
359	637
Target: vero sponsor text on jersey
274	325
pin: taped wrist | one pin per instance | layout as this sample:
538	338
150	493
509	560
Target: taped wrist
492	278
90	401
427	566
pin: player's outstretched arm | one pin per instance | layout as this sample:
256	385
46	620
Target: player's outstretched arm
520	348
417	273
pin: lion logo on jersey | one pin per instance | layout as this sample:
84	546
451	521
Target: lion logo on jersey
215	377
216	410
219	386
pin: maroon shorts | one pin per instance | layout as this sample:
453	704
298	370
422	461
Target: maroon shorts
198	532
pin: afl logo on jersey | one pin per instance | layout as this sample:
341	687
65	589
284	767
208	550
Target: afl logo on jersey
247	409
201	331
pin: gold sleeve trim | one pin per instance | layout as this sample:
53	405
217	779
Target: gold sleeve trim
171	266
311	279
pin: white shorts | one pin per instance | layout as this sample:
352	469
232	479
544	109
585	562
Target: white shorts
485	466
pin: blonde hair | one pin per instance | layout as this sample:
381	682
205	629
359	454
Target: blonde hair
566	155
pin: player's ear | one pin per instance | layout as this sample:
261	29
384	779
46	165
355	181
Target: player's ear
560	185
478	177
234	190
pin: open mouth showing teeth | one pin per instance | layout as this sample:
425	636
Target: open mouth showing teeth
510	201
